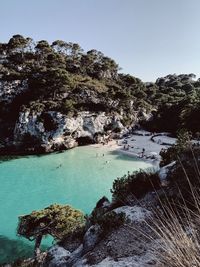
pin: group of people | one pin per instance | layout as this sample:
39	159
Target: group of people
127	147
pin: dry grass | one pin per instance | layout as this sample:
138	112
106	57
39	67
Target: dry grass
178	229
179	241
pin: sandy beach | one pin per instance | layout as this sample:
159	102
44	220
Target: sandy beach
141	144
111	145
145	146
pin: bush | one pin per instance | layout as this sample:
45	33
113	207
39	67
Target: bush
107	220
67	106
179	150
111	220
137	184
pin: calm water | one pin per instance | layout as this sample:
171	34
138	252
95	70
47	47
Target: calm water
79	177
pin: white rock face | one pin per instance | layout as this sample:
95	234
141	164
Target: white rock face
135	261
9	90
67	129
91	237
163	172
58	256
135	213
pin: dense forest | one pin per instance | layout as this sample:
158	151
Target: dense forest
62	77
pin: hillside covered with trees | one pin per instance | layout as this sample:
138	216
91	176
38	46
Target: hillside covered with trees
61	80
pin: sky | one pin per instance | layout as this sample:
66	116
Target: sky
147	38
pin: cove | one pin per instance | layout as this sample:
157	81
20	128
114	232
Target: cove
79	177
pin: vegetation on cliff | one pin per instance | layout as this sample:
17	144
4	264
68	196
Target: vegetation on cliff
175	223
62	77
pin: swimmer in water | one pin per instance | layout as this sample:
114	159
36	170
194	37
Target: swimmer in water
58	166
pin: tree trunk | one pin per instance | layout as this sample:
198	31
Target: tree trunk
37	246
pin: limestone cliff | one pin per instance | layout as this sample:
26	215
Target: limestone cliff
55	131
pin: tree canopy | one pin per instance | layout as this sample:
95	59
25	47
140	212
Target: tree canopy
62	72
55	220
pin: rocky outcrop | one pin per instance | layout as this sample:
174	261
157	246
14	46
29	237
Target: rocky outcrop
58	256
164	171
133	243
91	238
55	131
135	213
124	246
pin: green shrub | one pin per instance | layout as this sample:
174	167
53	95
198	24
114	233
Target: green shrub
111	220
137	184
67	106
181	149
107	220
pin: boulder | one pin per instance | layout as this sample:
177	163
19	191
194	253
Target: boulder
91	238
135	213
57	257
103	203
163	172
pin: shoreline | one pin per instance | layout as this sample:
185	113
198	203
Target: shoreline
111	145
142	145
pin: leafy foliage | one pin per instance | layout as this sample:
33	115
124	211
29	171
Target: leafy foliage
137	184
178	102
107	220
111	220
179	150
55	220
184	176
62	77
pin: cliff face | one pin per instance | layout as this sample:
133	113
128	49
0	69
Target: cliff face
29	125
55	131
30	129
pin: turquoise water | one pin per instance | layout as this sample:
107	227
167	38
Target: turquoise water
79	177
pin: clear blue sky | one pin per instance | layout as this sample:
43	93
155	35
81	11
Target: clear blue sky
147	38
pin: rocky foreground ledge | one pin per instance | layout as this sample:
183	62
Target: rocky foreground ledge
118	234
